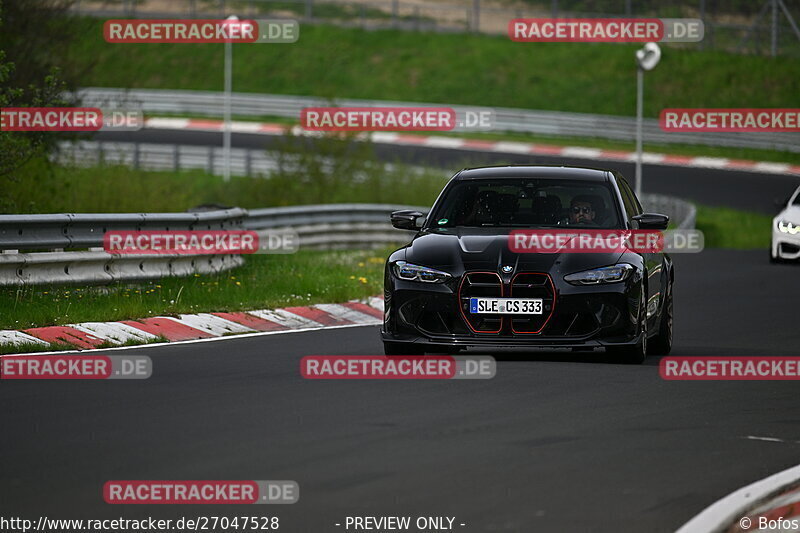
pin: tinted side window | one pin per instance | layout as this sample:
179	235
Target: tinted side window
636	203
627	201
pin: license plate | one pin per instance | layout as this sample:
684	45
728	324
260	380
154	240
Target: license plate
506	306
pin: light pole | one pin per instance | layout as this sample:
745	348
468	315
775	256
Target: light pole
646	59
226	132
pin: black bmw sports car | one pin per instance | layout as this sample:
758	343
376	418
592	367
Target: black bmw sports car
459	284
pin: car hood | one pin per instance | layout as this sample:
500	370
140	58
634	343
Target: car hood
460	249
790	214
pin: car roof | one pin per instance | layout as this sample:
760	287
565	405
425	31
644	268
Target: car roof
534	171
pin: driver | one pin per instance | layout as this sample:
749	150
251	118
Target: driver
582	210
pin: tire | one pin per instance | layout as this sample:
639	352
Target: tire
772	258
402	348
637	353
661	344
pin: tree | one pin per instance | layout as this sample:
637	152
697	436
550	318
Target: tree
28	76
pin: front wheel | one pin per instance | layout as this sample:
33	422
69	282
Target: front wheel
637	353
661	344
773	259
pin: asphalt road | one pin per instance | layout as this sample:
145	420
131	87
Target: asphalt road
554	442
749	191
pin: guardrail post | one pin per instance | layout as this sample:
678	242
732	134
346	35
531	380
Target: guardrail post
309	8
136	156
248	163
395	13
703	18
176	157
211	160
476	15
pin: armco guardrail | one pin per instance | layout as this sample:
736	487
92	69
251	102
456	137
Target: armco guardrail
682	213
73	241
66	248
151	156
202	103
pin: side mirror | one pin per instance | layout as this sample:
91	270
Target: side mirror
408	219
652	221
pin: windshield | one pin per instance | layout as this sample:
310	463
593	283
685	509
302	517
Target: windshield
528	203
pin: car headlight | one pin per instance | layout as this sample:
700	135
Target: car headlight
410	272
596	276
787	227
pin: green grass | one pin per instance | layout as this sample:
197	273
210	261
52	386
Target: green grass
449	68
344	12
263	282
119	189
731	228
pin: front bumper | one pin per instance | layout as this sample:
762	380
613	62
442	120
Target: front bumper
574	316
785	245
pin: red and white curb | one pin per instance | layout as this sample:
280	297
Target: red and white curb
776	498
90	335
482	145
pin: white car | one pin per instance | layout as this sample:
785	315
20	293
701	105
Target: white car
786	231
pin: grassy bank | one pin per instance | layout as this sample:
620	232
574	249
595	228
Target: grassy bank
263	282
119	189
730	228
450	68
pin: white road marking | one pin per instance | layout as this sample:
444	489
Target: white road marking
583	153
192	341
340	311
512	147
213	324
114	331
444	142
285	318
166	123
772	168
15	338
376	302
767	439
710	162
